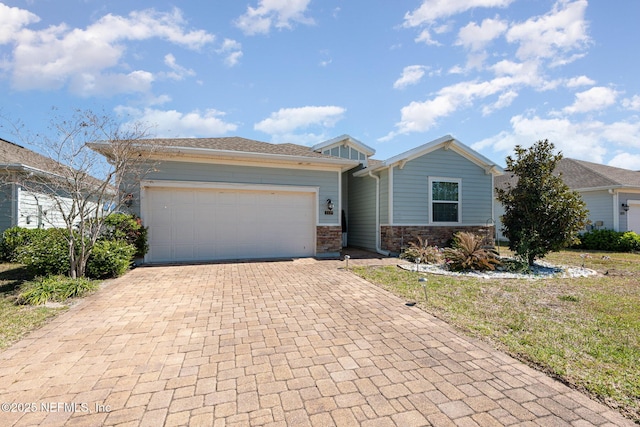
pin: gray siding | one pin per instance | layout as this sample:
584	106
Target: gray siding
326	181
362	212
345	192
600	206
6	201
384	197
411	188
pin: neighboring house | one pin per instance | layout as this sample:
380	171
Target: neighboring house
23	202
234	198
612	195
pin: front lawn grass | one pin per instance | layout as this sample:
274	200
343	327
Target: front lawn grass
585	331
17	320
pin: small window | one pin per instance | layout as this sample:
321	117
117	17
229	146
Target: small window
444	194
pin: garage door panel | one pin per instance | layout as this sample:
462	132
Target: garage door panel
210	224
183	197
633	217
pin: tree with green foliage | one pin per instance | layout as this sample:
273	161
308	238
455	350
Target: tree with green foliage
542	214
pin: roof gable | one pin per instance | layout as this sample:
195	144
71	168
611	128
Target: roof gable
344	140
446	142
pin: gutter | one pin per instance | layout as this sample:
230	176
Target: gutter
18	167
378	247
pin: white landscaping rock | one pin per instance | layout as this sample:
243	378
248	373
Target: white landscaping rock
540	270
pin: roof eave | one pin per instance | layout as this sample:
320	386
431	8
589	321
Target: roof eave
446	141
619	187
365	171
240	155
19	167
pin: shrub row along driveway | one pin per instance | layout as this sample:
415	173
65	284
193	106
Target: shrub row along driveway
278	344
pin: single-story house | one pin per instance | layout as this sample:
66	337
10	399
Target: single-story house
612	195
24	201
234	198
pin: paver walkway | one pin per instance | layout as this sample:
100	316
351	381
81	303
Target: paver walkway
276	344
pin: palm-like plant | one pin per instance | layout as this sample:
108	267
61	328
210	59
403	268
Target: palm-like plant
421	249
470	253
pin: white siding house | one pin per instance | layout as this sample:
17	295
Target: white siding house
26	198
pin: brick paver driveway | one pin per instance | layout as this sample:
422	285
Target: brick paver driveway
277	344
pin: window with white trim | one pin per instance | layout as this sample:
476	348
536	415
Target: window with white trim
444	200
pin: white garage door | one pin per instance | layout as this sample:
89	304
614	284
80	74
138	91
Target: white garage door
214	224
633	216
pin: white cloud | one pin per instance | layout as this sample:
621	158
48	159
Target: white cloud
178	72
288	120
411	75
556	33
99	84
58	55
632	103
173	124
326	55
474	37
273	13
626	161
12	20
585	140
422	116
233	51
580	81
596	98
432	10
504	100
425	37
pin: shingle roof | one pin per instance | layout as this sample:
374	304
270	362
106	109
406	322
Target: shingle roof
594	174
14	154
235	143
579	174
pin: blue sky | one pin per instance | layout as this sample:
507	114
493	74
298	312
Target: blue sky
393	74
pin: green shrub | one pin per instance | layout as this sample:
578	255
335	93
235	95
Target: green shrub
110	258
47	253
75	288
14	238
609	240
630	241
515	265
470	253
128	228
421	249
54	288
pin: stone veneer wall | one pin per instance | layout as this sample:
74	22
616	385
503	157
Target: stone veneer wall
394	238
328	239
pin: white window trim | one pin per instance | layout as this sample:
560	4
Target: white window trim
458	181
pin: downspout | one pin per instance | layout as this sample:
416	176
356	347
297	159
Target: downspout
378	248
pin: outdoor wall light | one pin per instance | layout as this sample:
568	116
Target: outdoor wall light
128	200
625	207
329	205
